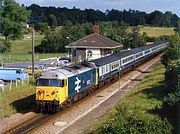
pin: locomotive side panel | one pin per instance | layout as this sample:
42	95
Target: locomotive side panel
81	81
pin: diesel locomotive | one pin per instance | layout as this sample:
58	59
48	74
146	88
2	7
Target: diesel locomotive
62	86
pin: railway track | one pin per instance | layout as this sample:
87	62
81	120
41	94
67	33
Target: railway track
25	125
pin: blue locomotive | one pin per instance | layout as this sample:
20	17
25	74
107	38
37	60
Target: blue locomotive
62	86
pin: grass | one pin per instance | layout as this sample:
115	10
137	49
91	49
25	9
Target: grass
18	99
157	31
25	57
137	107
25	45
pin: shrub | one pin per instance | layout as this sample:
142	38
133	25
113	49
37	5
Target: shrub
134	120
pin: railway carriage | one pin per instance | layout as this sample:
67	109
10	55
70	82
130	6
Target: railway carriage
61	86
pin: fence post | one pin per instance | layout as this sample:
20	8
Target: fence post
10	85
3	89
16	82
22	82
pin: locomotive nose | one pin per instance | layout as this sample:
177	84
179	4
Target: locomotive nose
46	93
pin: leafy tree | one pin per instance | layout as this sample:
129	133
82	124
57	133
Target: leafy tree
13	17
44	28
177	28
134	39
75	15
53	21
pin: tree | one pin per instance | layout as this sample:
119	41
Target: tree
53	21
13	18
44	28
134	39
177	28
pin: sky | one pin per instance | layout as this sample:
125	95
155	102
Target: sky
142	5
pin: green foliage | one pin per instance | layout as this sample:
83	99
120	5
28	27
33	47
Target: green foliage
44	28
55	41
171	102
53	21
171	61
177	28
13	17
133	120
172	98
134	39
75	15
136	113
5	46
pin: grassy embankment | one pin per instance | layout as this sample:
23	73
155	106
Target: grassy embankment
21	50
157	31
18	99
137	112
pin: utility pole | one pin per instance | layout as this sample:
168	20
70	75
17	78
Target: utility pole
33	54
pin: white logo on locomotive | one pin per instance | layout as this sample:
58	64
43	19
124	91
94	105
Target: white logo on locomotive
77	83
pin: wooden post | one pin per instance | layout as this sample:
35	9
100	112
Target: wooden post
16	82
33	55
10	85
3	89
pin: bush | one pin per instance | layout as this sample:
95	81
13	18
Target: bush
134	120
5	46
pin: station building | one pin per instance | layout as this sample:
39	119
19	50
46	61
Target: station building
92	46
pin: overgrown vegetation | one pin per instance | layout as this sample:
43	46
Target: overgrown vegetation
171	105
18	99
136	113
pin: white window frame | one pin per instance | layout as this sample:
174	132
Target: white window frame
139	56
126	58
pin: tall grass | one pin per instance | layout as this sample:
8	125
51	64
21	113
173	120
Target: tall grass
18	99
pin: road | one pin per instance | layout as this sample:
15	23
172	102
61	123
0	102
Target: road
25	64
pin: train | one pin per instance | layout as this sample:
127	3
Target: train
60	87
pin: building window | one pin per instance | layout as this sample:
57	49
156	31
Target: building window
89	54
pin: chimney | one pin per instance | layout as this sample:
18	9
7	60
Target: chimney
96	29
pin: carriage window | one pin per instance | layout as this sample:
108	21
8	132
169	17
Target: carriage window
128	59
147	51
139	55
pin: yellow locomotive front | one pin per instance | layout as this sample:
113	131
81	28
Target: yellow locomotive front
51	91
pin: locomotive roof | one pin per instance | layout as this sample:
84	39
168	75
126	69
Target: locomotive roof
67	71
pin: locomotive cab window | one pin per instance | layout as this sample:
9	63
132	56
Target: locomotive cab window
50	82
